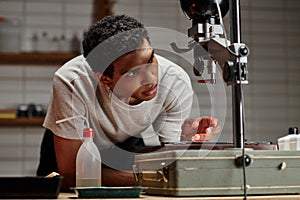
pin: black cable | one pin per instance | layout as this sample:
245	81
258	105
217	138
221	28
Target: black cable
244	156
244	174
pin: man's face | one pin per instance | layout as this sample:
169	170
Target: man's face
135	75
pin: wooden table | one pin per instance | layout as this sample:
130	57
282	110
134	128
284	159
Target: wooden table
146	197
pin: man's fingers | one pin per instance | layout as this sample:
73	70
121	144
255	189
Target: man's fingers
202	137
209	130
208	121
189	121
193	122
217	129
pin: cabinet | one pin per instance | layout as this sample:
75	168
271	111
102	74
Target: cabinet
22	122
34	59
101	8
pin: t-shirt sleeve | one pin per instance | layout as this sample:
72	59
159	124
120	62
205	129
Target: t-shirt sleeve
65	102
177	106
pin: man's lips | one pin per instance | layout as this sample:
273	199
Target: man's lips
151	91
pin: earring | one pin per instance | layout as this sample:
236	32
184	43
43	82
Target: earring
109	92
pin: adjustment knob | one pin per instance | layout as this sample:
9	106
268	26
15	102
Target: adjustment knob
246	159
228	72
243	51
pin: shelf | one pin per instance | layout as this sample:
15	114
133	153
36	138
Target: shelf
36	59
38	121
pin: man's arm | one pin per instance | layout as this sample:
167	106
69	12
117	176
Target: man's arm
66	152
111	177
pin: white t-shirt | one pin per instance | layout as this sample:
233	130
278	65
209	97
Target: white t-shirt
77	92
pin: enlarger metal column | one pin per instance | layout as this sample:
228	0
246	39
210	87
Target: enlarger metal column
238	117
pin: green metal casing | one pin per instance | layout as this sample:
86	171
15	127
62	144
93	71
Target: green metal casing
215	172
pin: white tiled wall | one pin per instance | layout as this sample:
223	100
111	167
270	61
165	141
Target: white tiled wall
57	17
19	151
25	84
19	147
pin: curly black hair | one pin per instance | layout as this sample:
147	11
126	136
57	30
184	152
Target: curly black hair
117	35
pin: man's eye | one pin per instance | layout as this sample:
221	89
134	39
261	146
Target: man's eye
151	59
131	73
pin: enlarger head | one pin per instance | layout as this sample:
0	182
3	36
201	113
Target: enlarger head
201	11
206	16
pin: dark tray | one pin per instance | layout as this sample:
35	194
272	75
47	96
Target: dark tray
108	192
30	187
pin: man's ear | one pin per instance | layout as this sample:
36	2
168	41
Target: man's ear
105	79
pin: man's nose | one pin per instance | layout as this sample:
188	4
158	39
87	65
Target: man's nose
149	74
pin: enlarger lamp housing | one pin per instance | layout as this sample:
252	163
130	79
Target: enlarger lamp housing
202	10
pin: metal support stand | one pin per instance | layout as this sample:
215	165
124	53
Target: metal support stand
231	55
237	92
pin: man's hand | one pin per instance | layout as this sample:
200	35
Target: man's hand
200	129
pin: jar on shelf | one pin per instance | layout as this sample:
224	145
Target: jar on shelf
10	38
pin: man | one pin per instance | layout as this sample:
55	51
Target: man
119	87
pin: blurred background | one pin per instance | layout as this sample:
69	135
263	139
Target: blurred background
37	37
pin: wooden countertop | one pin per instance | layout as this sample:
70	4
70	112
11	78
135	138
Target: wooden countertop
146	197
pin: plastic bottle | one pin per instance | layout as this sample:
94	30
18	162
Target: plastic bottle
54	44
43	43
75	44
284	143
64	44
10	37
34	42
295	139
88	162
